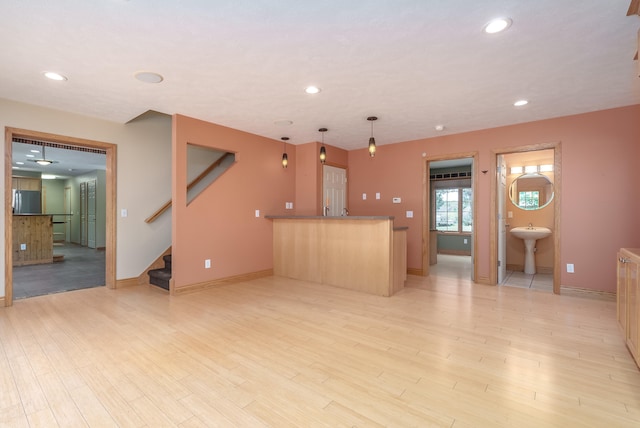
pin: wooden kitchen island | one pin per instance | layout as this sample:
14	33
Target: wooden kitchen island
360	253
32	239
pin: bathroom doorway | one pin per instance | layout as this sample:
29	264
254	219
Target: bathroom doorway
449	210
526	192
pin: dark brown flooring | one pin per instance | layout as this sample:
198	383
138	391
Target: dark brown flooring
82	268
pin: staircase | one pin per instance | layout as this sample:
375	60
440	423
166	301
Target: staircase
161	277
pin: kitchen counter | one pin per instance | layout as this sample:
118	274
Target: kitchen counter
32	239
362	253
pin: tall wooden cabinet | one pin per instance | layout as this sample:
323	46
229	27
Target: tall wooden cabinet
628	293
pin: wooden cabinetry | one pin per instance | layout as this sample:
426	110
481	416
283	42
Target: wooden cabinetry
628	302
32	239
26	183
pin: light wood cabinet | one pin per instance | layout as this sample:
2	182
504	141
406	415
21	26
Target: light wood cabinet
32	239
26	183
628	301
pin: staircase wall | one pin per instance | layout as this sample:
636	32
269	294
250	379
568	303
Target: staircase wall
220	224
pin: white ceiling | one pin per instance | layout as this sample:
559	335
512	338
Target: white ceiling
244	64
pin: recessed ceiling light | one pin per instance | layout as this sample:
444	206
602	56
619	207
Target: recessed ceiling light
30	156
148	77
497	25
521	103
439	127
19	163
34	151
54	76
312	89
48	177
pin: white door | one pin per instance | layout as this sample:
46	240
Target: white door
83	214
91	214
502	224
334	190
67	211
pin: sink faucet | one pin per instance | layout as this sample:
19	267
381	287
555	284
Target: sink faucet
345	211
530	226
326	211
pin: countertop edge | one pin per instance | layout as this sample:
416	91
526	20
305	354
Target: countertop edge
319	217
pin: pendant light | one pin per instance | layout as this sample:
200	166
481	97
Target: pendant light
285	158
44	161
372	141
323	151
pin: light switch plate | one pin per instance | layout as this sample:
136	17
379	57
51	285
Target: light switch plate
378	195
364	196
257	213
124	212
409	214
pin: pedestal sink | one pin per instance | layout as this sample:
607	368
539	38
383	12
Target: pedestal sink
530	235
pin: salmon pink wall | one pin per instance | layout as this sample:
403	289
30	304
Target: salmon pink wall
220	224
600	177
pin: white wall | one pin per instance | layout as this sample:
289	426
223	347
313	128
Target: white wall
143	176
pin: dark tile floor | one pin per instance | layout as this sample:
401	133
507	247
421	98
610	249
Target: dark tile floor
82	268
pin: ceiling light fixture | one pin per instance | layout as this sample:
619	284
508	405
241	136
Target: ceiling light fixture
44	161
323	151
372	141
54	76
285	158
521	103
439	127
312	89
497	25
148	77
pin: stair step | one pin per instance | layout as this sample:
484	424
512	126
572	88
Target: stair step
167	261
160	277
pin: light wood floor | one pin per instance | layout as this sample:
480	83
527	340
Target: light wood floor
284	353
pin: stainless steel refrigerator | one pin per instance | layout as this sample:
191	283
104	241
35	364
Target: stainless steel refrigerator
27	202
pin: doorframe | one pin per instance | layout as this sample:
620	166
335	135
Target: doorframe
426	211
557	198
110	215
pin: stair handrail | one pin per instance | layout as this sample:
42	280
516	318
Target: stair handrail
195	181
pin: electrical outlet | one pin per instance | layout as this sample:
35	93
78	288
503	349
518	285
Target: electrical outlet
23	247
257	213
465	241
409	214
570	268
124	212
364	196
207	264
378	195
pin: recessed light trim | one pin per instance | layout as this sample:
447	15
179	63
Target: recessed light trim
312	90
148	77
521	103
54	76
439	127
497	25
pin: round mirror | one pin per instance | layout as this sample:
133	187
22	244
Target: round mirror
531	191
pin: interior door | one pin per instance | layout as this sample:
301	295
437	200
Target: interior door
501	199
91	214
68	212
334	190
83	214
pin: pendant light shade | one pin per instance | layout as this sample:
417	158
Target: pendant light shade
285	158
44	161
323	151
372	141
